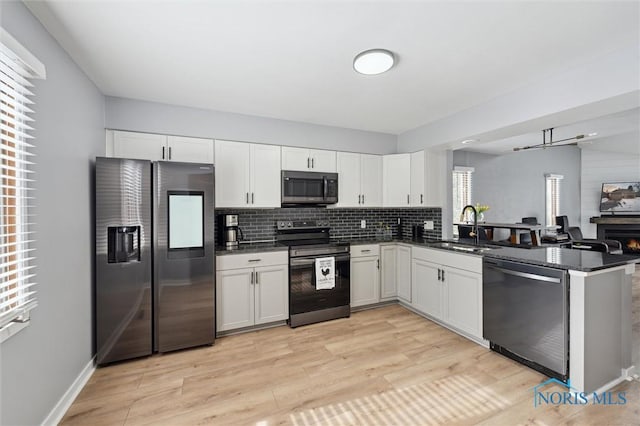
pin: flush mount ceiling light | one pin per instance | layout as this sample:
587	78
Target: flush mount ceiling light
468	141
374	61
551	143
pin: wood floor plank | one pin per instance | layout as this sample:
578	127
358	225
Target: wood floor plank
384	366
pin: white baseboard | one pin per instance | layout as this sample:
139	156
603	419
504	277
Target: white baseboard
58	412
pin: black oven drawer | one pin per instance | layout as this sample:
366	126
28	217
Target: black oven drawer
303	296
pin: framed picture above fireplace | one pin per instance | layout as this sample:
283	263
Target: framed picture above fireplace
620	197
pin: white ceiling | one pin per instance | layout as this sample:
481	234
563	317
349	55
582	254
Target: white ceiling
293	59
618	131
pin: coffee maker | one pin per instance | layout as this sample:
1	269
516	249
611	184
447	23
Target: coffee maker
231	232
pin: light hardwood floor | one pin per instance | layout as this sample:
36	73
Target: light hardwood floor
385	366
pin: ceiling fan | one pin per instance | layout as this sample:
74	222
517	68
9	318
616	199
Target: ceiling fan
551	143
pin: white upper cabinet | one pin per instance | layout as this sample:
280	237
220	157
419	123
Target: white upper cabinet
143	146
396	178
247	175
147	146
232	174
371	181
308	160
349	187
190	150
436	172
359	180
418	179
265	175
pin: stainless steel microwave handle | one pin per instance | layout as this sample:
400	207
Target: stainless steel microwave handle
326	186
527	275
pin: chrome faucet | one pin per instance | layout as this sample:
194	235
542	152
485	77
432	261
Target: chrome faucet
474	230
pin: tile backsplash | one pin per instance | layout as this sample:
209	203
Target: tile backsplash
260	224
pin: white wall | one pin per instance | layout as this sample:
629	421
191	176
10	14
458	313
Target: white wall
513	184
134	115
40	362
616	159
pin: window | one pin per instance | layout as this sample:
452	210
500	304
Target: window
462	192
552	197
17	294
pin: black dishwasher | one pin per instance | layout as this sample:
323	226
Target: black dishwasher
526	314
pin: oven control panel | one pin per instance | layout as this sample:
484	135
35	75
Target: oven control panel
302	224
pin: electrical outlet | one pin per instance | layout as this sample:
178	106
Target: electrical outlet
428	225
363	224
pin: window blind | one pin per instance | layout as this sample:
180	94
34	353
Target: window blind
552	195
17	260
462	184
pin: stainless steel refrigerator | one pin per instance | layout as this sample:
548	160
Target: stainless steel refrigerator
155	274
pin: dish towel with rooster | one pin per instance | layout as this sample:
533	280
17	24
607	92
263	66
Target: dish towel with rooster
325	273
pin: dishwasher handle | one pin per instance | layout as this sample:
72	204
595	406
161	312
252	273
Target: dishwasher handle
527	275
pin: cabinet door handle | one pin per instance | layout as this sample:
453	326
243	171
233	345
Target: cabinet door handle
378	263
359	197
247	198
408	198
365	251
362	198
439	275
443	275
256	279
421	199
252	198
255	260
169	153
163	152
308	163
251	277
312	160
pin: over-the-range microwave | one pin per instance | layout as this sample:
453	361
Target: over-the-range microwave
310	188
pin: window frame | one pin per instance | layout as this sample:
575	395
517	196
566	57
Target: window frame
18	67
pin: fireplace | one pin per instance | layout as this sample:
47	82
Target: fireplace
627	233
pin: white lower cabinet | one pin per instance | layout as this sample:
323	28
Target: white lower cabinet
403	272
247	296
463	303
365	275
427	292
388	271
395	272
448	287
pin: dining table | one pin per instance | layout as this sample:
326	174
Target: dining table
515	229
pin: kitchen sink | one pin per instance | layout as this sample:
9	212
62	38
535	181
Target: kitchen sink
469	248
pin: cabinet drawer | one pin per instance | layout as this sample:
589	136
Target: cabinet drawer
447	258
251	260
365	250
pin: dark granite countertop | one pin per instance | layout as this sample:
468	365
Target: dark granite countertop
553	257
249	247
562	258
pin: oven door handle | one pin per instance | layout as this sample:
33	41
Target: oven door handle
311	260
